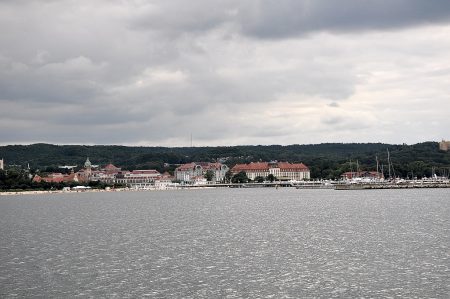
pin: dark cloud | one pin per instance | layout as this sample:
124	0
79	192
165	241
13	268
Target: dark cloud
333	104
177	17
278	19
229	72
289	18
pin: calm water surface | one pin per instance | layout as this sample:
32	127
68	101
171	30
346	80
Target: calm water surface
227	243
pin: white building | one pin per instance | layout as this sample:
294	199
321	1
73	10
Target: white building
165	184
138	177
192	171
2	164
283	171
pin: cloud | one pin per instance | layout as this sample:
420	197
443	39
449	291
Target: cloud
288	18
70	80
333	104
228	72
279	19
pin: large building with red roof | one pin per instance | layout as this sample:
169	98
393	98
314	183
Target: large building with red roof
280	170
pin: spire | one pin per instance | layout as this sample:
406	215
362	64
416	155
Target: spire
87	163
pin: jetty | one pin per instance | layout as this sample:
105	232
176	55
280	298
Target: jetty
393	185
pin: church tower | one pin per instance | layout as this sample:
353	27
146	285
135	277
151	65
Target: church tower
87	168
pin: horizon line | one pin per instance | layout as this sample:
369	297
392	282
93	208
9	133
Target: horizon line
200	146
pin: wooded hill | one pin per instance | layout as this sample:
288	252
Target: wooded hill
328	160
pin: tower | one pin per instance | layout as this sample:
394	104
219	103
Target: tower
87	168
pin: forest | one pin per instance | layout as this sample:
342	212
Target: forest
326	160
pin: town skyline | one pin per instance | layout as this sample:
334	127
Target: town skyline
224	73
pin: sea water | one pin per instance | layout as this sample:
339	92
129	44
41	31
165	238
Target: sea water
227	243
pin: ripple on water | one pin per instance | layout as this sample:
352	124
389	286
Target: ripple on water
283	243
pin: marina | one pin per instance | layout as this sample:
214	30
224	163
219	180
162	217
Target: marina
388	185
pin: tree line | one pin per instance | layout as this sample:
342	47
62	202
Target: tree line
326	161
15	179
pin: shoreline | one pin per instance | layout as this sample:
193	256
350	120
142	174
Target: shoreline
38	192
34	192
337	188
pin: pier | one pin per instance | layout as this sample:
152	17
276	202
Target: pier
393	185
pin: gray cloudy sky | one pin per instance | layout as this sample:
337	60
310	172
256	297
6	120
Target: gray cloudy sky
227	72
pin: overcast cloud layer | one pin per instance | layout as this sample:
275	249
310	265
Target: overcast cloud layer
227	72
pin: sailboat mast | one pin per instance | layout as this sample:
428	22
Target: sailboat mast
351	169
389	163
378	174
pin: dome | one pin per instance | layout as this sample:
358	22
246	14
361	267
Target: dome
87	163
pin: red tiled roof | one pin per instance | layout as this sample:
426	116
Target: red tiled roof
145	171
213	166
111	167
166	175
53	179
294	166
186	167
202	164
37	178
55	174
264	166
71	177
261	166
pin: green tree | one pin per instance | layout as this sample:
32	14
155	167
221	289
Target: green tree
241	177
271	178
209	175
259	179
228	176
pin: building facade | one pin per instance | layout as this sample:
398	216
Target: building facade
444	145
193	172
57	177
147	176
283	171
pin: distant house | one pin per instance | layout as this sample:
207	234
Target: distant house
2	164
187	172
58	177
145	176
164	182
106	174
199	180
444	145
192	171
281	170
111	169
